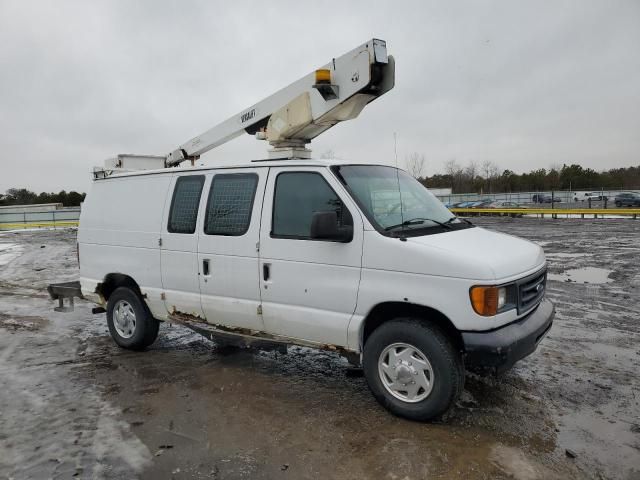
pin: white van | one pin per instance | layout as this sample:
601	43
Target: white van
361	259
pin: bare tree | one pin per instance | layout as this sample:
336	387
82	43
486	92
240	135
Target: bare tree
486	169
490	171
416	164
452	168
455	171
471	170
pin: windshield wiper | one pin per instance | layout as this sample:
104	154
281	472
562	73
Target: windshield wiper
419	221
459	218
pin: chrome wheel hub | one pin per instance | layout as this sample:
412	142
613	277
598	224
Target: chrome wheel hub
405	372
124	319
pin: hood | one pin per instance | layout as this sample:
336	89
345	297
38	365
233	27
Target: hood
504	255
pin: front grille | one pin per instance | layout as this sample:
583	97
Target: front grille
531	290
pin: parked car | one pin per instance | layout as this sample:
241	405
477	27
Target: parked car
482	203
479	204
314	253
507	205
544	198
594	197
627	200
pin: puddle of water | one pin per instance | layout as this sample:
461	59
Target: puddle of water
516	464
591	275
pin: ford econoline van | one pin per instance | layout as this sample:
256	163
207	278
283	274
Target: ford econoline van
359	259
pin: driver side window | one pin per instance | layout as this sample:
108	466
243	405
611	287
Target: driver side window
297	196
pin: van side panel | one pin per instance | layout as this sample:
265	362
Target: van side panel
119	233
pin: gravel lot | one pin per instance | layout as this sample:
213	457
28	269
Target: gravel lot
72	403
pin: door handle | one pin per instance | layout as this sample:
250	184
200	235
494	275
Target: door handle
205	267
266	271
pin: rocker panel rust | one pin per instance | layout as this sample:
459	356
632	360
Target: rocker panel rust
248	338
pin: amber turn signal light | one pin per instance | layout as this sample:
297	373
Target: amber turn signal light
484	300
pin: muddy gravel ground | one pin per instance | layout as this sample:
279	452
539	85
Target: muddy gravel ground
73	405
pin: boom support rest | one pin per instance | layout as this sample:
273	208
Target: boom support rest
60	291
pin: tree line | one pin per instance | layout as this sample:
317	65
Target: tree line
22	196
487	177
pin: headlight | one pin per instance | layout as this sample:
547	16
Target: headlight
502	297
489	300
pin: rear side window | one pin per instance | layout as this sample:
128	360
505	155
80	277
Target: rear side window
230	204
184	205
297	196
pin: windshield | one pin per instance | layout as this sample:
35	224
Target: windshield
410	207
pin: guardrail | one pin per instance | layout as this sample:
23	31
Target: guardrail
48	219
633	212
52	224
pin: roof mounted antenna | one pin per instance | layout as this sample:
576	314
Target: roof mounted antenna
293	116
395	153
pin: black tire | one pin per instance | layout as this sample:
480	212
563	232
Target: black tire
445	360
146	327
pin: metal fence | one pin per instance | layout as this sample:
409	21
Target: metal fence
67	217
568	199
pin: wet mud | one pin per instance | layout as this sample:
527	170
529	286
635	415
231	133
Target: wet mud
74	405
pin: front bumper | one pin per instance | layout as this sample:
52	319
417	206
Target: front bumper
497	350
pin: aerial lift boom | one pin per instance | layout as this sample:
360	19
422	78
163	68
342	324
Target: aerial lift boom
293	116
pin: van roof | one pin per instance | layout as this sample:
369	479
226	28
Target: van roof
252	164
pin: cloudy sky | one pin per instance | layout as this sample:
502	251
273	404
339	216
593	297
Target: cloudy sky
523	84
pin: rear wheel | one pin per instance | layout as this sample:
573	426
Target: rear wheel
413	369
130	322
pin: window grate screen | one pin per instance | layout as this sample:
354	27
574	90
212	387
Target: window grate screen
230	204
184	206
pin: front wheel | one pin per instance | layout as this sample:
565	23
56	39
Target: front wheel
130	322
413	369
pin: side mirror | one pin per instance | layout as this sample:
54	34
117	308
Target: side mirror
324	226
